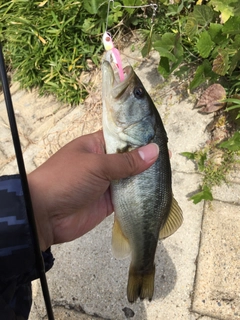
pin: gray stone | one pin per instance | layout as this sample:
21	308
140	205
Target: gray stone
227	192
216	292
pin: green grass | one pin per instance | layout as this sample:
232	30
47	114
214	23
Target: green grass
47	44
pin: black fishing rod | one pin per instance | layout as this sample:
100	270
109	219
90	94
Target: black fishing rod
25	187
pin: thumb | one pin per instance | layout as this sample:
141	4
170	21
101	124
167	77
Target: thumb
123	165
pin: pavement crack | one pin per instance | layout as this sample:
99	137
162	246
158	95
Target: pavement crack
237	204
76	308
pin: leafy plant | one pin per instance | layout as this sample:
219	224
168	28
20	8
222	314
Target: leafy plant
203	35
49	43
233	143
204	194
235	105
214	162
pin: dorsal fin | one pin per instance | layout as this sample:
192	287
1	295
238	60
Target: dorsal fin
174	221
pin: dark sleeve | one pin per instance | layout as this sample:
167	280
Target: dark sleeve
17	257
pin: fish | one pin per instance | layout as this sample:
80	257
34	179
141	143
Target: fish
144	207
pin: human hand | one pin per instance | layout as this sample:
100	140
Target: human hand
70	191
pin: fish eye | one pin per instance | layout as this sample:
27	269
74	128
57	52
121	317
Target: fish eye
138	92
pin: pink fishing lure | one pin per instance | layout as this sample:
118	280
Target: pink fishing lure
111	51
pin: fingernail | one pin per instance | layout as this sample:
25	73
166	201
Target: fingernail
149	152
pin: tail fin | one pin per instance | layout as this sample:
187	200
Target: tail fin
140	285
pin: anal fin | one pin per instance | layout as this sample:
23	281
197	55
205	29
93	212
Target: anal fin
120	245
174	220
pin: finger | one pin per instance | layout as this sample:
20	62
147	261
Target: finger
93	143
96	143
123	165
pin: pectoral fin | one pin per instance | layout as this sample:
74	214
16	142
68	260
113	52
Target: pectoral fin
120	245
173	222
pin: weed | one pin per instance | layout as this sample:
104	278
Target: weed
49	43
214	162
204	36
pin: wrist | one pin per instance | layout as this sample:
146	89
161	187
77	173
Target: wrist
38	198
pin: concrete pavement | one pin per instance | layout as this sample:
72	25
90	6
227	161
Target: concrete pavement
197	269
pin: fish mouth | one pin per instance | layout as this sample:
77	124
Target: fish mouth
111	80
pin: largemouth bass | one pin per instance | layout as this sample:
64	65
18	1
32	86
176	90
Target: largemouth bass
144	207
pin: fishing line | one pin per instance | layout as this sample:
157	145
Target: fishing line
112	53
154	7
26	193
